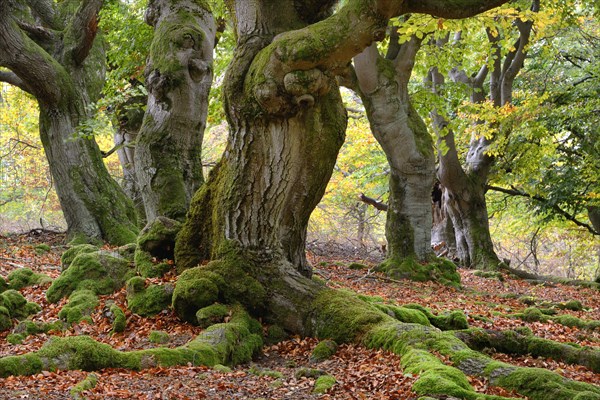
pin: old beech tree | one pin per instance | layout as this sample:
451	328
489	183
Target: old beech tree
240	253
51	52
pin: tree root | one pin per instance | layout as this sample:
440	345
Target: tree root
233	342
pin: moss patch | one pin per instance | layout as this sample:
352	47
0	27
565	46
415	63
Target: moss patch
88	383
324	350
119	321
102	272
149	300
159	337
212	314
68	256
23	277
14	305
81	305
438	270
324	383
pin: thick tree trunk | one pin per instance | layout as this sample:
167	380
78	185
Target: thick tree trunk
178	78
62	65
407	144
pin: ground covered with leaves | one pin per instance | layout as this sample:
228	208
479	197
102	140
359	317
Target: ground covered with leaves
286	370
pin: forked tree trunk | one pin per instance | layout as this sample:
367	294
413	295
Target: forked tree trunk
178	78
407	144
62	65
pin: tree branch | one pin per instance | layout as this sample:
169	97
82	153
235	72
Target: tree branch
451	9
37	33
12	79
555	207
83	29
44	11
381	206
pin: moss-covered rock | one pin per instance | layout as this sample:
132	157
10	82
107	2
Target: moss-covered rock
324	350
324	383
438	270
225	281
212	314
68	256
28	327
14	306
275	334
81	305
102	272
42	248
23	277
159	337
156	243
573	305
149	300
532	314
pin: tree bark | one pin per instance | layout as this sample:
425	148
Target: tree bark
178	78
64	69
407	144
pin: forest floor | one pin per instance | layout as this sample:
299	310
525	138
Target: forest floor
360	373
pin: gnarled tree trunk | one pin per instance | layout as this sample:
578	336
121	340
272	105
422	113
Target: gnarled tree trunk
62	65
406	142
178	78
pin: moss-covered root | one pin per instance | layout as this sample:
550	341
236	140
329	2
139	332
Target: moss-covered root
80	306
14	305
414	343
156	242
340	316
438	269
534	314
23	277
512	342
149	300
102	272
229	343
88	383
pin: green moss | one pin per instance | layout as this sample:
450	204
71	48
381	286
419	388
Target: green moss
573	305
23	277
14	305
324	350
15	338
28	327
159	337
451	320
88	383
224	281
255	370
156	242
489	275
119	322
81	304
308	373
275	334
532	314
324	383
357	266
343	317
42	248
101	272
222	368
438	270
69	255
3	285
148	301
404	314
212	314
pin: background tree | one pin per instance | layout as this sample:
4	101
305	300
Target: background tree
51	51
178	79
465	183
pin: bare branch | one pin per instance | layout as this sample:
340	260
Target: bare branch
381	206
12	79
37	33
555	207
451	9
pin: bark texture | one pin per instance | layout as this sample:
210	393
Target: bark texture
406	142
178	78
61	63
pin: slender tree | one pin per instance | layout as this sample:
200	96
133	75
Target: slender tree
52	52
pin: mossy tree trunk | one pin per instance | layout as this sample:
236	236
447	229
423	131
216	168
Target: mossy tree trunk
465	186
178	78
53	54
406	142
